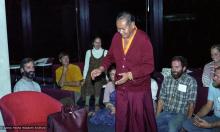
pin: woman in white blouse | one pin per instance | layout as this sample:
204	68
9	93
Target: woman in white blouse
208	70
92	60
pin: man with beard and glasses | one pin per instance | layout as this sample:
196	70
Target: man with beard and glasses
26	83
201	122
177	97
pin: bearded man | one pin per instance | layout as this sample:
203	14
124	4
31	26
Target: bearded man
26	83
177	97
201	122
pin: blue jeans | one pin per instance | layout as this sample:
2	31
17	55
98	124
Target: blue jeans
190	127
170	122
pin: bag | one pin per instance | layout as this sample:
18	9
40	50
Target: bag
70	119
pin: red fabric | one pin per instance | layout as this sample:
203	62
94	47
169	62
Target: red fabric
139	59
65	122
134	103
135	113
27	108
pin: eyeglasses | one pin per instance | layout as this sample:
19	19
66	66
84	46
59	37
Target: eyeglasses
121	30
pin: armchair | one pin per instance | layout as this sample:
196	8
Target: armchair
27	110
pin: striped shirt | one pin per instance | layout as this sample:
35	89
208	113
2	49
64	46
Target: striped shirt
178	93
207	74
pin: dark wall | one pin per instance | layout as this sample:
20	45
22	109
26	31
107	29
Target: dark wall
53	29
14	27
190	28
103	15
53	25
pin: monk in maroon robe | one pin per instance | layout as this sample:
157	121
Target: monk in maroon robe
132	52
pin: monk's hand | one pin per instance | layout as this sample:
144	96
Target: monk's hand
96	72
124	79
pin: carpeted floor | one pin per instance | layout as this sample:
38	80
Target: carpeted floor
92	127
100	128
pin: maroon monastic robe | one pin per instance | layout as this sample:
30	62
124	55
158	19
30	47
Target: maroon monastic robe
134	108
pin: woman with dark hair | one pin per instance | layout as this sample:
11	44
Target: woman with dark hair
92	60
208	71
106	116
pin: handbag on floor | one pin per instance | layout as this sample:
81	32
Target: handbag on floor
70	119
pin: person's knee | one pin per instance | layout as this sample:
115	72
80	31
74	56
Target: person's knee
161	124
187	124
175	126
159	121
163	128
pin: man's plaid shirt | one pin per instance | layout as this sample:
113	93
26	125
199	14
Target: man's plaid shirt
175	100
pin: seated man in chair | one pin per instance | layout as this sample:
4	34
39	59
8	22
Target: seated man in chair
69	76
26	83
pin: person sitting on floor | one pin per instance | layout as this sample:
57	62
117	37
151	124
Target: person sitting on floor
26	83
177	97
201	122
208	70
106	116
